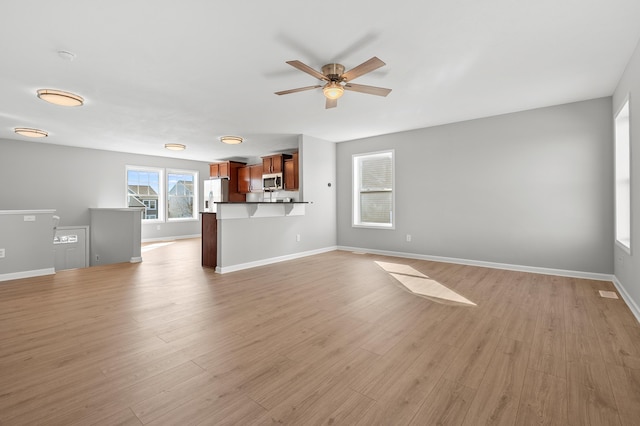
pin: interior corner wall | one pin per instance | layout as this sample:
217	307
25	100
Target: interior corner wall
532	189
627	266
39	175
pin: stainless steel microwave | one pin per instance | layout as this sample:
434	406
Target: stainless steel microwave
272	181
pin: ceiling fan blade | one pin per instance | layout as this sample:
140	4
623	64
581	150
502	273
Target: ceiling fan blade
331	103
299	89
365	67
370	90
308	70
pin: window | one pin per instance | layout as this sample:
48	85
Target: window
145	187
151	204
623	178
373	199
182	194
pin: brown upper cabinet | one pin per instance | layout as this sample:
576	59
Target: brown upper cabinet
221	170
250	179
229	170
291	173
274	163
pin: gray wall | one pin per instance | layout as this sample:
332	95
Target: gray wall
38	175
627	267
28	244
532	188
259	239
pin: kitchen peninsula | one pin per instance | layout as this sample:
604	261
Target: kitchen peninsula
213	223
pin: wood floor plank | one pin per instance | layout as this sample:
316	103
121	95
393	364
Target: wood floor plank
326	339
447	404
543	400
498	395
402	394
590	398
625	383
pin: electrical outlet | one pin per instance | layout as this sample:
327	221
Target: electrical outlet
97	257
408	238
30	218
298	237
157	227
2	253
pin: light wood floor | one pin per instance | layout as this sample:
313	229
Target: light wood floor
328	339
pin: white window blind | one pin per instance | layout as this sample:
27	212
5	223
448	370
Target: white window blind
373	189
623	178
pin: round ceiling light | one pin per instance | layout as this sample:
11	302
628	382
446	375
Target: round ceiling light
31	133
231	140
58	97
175	146
333	90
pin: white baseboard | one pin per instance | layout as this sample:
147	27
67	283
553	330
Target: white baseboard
27	274
262	262
135	259
171	238
506	266
635	310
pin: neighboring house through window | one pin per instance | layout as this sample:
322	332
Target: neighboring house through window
182	194
144	189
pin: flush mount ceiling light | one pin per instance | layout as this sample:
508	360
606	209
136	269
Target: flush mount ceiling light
31	133
333	90
58	97
175	146
231	140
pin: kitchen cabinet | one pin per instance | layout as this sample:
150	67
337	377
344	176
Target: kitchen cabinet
274	163
250	179
291	173
244	180
255	174
209	240
229	170
220	170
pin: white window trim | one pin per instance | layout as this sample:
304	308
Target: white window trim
161	190
196	192
355	193
623	244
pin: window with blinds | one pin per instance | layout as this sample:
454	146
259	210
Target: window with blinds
623	178
373	190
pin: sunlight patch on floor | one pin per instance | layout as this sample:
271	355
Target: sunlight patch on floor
154	246
420	284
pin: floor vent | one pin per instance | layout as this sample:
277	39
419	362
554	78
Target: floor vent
608	294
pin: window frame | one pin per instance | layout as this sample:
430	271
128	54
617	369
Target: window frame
623	172
161	190
356	160
196	191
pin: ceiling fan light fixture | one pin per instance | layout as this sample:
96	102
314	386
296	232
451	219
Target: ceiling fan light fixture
333	90
58	97
175	146
31	133
231	140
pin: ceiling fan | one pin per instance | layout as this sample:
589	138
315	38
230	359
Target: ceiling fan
337	81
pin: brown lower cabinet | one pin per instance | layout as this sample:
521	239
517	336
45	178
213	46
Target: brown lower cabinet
209	240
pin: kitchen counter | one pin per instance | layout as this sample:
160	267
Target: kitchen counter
252	209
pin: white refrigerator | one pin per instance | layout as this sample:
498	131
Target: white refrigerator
215	191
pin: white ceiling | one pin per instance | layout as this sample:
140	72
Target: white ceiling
189	71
